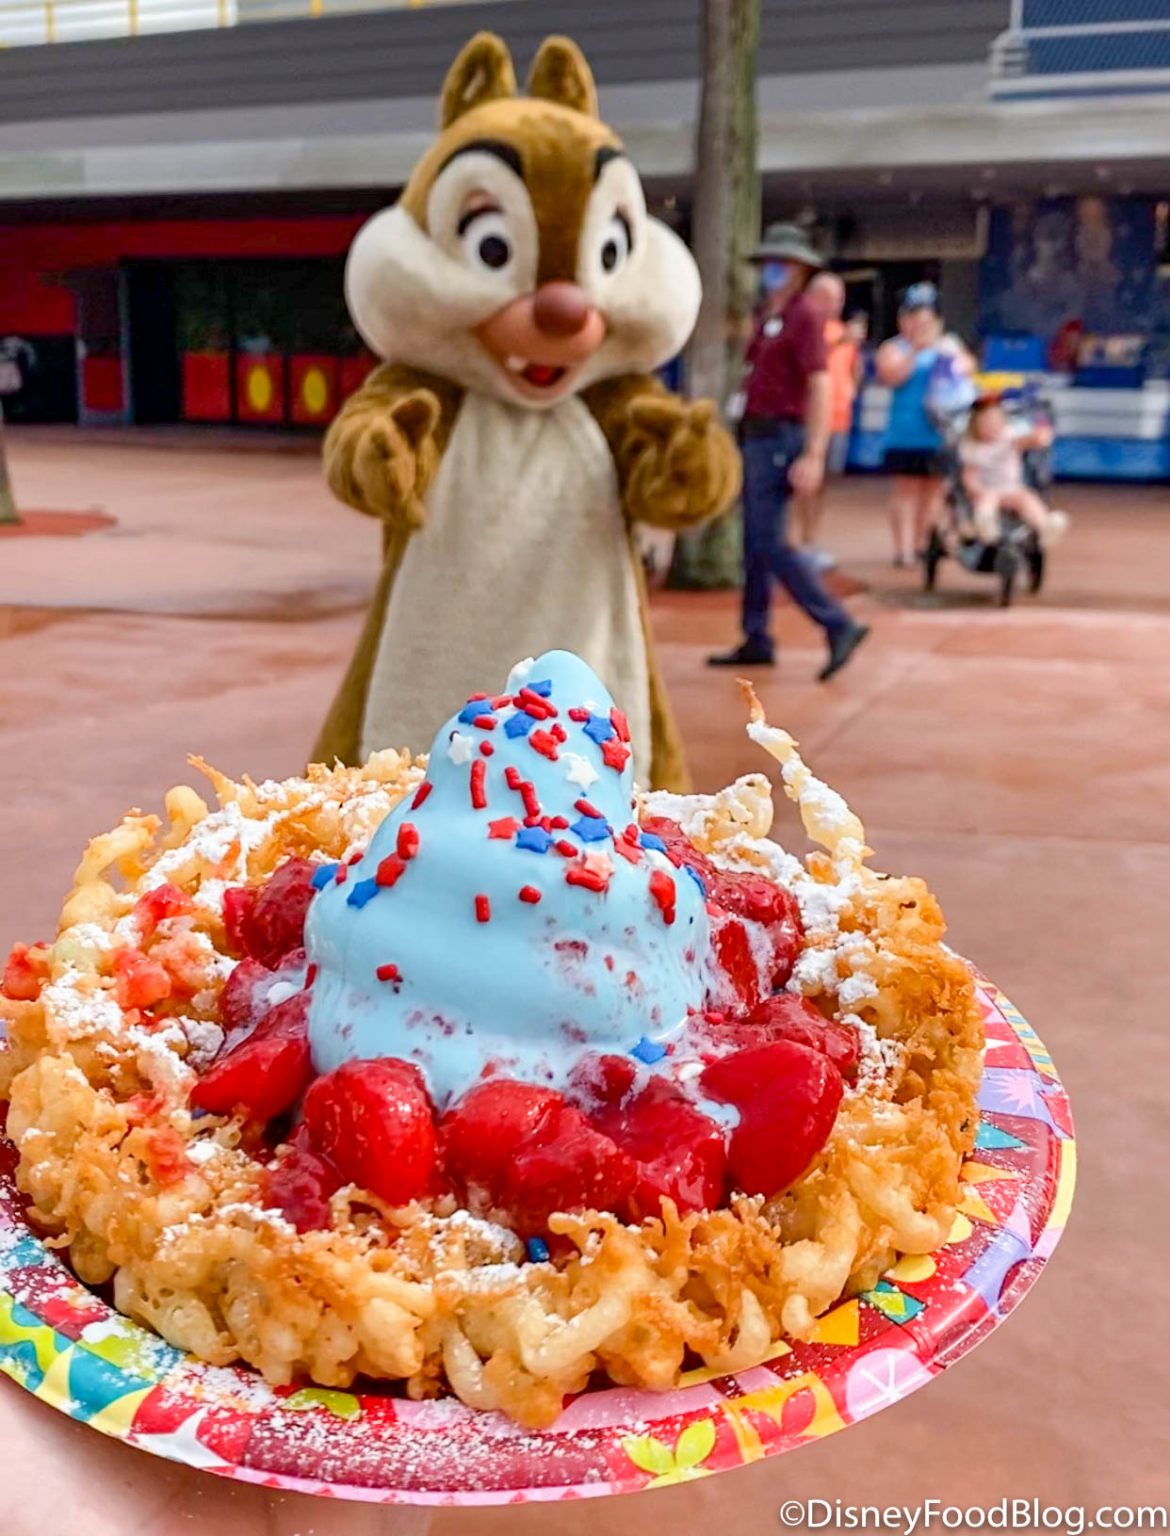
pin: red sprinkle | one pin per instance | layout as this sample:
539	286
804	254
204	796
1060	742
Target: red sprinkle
586	809
620	724
545	743
558	732
530	894
501	701
529	797
390	870
578	714
483	909
310	976
629	851
407	840
663	891
632	832
512	776
566	849
420	794
558	823
506	827
388	973
354	858
534	705
486	748
614	754
474	698
478	792
591	879
342	874
484	722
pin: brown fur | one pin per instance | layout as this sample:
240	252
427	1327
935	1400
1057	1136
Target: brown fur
675	464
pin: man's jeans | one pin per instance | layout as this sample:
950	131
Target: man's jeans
766	551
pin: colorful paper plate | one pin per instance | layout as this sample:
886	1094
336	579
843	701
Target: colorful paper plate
70	1349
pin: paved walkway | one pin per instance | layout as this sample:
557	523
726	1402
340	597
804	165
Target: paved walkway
1019	760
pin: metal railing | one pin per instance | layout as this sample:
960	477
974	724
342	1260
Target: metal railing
25	23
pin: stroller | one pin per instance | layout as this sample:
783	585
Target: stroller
1017	553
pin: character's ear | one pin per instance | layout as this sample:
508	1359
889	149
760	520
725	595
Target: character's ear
482	72
559	73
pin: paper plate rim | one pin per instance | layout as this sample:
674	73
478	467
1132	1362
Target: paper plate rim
871	1351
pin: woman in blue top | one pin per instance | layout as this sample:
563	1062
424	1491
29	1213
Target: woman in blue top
908	363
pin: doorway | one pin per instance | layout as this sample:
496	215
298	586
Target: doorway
155	381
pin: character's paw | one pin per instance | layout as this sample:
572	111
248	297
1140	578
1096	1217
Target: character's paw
685	467
395	458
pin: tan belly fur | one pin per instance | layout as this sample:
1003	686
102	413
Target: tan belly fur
524	549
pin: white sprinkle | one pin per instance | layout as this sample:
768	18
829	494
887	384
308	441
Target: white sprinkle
580	770
461	748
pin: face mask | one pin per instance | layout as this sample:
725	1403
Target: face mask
775	275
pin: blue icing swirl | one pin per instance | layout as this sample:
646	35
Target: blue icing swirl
592	966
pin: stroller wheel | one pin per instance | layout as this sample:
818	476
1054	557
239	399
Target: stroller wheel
1035	568
1007	568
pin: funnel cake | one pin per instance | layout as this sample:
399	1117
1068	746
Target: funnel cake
486	1072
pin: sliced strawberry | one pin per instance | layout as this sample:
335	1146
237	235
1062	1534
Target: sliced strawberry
156	906
299	1185
570	1166
244	1000
680	1152
736	958
599	1080
275	922
266	1074
25	972
787	1097
533	1153
139	981
238	902
786	1016
482	1130
374	1122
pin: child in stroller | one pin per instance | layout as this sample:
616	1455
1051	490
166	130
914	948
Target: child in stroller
997	457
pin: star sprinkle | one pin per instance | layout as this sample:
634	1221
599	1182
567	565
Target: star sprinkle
599	729
648	1051
361	893
461	748
505	827
590	830
518	725
533	839
580	771
322	876
614	754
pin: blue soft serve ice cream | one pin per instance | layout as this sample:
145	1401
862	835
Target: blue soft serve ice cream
509	917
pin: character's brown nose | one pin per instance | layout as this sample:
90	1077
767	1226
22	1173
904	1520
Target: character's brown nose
560	309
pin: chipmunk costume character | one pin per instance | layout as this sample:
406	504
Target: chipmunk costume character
520	296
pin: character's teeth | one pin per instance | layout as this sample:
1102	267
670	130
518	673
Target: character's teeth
515	364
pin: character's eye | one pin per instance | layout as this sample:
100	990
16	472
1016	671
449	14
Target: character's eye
484	233
616	243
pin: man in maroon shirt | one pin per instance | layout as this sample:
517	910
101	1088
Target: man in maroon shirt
785	431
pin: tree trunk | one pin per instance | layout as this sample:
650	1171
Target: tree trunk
725	226
8	512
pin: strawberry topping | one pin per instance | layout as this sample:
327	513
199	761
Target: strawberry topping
374	1122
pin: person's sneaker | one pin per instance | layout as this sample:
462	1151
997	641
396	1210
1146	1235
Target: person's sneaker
749	654
820	559
1055	527
841	648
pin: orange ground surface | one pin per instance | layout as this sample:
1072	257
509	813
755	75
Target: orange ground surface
1019	760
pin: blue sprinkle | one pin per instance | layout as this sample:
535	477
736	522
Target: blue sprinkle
537	1250
322	876
598	728
648	1051
518	725
363	891
543	689
472	711
535	839
592	829
652	840
698	879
